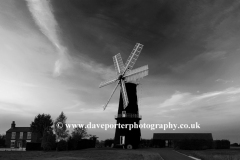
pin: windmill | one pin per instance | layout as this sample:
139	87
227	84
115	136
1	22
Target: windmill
128	107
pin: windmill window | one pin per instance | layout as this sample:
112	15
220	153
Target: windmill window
123	113
122	139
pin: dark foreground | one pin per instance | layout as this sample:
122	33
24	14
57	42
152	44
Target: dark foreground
96	154
120	154
87	154
213	154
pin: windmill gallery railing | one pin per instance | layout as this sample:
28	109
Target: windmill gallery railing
128	115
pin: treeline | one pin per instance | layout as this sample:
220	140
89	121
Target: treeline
108	142
235	145
143	143
2	141
221	144
53	135
63	145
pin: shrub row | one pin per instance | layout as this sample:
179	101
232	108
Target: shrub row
158	143
221	144
62	145
33	146
81	144
108	142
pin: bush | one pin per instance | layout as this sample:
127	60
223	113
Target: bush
62	145
74	144
108	142
221	144
234	145
146	142
2	141
158	143
33	146
47	146
48	140
86	143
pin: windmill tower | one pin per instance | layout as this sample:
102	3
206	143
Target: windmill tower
128	105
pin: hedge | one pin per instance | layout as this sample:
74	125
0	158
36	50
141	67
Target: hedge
30	146
81	144
221	144
108	142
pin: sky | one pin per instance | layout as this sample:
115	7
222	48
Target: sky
55	53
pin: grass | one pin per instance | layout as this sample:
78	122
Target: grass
116	154
87	154
212	154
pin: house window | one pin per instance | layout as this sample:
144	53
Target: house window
21	135
12	143
13	135
19	144
29	135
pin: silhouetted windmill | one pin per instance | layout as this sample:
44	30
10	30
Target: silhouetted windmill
128	105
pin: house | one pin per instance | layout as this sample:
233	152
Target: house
167	139
17	137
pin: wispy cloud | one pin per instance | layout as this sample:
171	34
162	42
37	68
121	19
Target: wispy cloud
199	60
42	13
209	98
224	81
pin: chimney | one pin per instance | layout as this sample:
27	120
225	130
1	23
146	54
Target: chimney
13	124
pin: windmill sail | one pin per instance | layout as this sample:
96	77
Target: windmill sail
136	73
111	96
118	63
107	82
133	56
125	73
124	94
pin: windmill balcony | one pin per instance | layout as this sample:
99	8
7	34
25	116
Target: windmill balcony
128	115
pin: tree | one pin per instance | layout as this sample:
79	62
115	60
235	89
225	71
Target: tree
2	140
92	137
60	127
62	145
48	140
40	123
72	144
234	145
79	133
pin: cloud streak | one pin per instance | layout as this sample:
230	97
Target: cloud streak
205	99
224	81
42	14
197	61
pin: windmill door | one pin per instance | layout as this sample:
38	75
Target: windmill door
122	139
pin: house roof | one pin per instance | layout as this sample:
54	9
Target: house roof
19	129
176	136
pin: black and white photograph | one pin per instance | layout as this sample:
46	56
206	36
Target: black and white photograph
119	79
